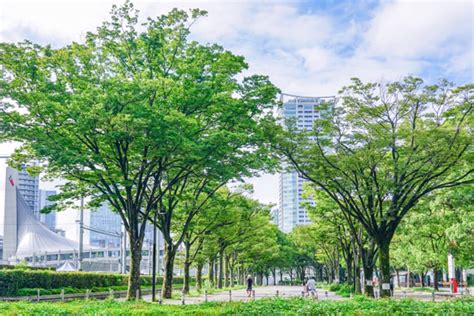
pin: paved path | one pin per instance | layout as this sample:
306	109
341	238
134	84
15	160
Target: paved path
260	292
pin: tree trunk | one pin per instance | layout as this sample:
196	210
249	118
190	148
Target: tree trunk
274	276
281	275
356	267
337	270
170	253
356	276
210	273
260	278
435	279
226	271
187	264
397	271
216	272
240	273
422	279
368	264
368	272
221	268
231	271
134	278
349	270
384	257
303	274
199	275
408	278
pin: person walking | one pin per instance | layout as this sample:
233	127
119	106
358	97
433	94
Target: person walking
249	285
311	286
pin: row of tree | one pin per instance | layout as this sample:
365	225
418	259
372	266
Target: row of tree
234	237
438	225
140	117
157	125
373	157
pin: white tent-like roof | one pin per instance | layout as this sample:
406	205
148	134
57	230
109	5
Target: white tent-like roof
66	267
34	237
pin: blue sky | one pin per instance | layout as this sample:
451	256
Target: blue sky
306	47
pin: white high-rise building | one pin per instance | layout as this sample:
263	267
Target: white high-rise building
304	111
48	219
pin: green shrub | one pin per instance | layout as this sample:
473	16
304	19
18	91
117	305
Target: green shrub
12	280
360	306
19	282
12	267
294	306
334	287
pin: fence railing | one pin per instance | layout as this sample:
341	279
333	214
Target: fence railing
74	296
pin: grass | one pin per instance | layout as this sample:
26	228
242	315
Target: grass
341	289
294	306
419	289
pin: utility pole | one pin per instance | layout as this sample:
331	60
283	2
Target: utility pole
158	263
123	251
156	255
81	234
153	277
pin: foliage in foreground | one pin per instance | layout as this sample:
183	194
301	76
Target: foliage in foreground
296	306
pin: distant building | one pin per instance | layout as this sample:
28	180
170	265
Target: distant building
104	219
29	189
274	213
304	112
48	219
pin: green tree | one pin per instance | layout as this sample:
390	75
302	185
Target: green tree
131	117
354	243
439	224
383	148
214	216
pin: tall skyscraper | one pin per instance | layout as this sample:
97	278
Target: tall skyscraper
29	188
274	213
304	111
50	218
104	219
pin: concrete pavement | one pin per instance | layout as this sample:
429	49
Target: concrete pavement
260	292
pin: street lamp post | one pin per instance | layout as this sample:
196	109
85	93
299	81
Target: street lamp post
81	234
153	278
155	254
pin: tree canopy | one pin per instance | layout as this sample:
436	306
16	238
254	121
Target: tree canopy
132	115
385	146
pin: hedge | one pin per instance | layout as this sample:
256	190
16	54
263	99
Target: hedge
13	267
11	281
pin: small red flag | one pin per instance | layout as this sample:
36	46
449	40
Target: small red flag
11	181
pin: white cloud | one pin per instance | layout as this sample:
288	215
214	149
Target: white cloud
413	29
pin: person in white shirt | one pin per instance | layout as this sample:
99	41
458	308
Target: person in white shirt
311	286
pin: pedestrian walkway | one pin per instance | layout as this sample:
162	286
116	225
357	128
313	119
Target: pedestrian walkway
260	292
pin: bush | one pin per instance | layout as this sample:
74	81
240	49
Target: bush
12	267
294	306
361	306
20	282
13	280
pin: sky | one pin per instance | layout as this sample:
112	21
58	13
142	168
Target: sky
309	48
